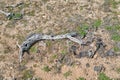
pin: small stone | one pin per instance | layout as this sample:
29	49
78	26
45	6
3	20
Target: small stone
98	68
100	47
89	41
1	77
90	53
90	38
101	51
1	22
100	43
73	49
82	54
87	65
110	53
68	61
118	45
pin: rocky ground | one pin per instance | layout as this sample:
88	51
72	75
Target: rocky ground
97	23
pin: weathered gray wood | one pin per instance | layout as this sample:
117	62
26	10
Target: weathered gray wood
5	13
32	39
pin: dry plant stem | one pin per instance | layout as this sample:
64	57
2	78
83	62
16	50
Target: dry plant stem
32	39
15	5
5	13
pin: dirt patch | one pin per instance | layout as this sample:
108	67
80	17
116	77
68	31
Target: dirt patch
92	19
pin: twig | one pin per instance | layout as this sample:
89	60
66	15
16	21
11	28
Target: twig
15	5
8	15
5	13
32	39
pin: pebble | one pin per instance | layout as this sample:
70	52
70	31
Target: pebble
118	45
100	47
98	68
1	77
73	49
87	65
101	51
1	22
68	61
100	43
90	38
89	41
110	53
90	53
82	54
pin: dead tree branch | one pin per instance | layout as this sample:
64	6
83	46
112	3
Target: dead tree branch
32	39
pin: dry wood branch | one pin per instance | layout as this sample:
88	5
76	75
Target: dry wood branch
5	13
15	5
32	39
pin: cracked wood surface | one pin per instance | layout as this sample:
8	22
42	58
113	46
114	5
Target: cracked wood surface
32	39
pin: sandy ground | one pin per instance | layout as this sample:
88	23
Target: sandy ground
56	17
